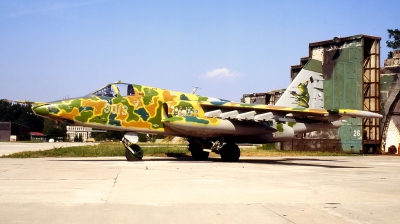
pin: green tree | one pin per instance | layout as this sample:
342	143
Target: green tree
20	114
395	43
109	135
53	129
142	137
29	119
115	135
99	136
10	111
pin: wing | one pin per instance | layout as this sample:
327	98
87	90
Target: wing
210	119
256	112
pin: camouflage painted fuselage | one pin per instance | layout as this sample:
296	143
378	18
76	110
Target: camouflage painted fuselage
144	109
140	112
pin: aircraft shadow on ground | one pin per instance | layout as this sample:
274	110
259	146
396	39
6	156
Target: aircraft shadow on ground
270	160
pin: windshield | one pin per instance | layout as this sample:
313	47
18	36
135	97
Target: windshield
112	90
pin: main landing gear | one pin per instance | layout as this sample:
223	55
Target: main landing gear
229	151
133	152
196	149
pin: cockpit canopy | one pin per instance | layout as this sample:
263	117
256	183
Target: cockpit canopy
114	90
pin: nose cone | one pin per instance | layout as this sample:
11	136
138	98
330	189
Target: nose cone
41	110
45	110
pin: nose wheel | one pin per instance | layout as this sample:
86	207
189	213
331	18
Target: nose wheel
133	152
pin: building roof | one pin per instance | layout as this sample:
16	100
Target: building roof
273	92
342	39
37	134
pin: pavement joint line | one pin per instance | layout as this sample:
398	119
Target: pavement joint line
115	181
282	216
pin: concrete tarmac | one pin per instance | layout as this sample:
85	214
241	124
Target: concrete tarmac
7	148
364	189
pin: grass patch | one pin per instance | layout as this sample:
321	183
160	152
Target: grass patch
102	150
275	152
160	150
269	150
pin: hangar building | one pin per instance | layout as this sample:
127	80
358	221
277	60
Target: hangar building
390	97
352	79
10	131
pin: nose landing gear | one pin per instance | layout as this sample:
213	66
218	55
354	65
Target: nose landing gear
133	152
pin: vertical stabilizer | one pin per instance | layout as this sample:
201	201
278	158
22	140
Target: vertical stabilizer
306	90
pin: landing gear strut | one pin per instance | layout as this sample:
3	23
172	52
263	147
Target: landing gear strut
229	151
133	152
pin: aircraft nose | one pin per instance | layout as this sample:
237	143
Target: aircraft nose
41	110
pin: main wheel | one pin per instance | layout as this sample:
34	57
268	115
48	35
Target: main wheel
197	152
137	155
230	152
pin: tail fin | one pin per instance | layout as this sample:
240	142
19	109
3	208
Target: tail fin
306	90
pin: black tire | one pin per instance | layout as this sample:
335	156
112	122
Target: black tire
197	152
230	152
138	155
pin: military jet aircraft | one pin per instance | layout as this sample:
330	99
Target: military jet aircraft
209	124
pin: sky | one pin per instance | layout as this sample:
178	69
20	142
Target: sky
55	49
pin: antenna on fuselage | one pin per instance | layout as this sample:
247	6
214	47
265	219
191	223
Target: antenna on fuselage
195	89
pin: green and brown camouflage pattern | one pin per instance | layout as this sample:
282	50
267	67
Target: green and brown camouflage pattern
146	109
139	112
